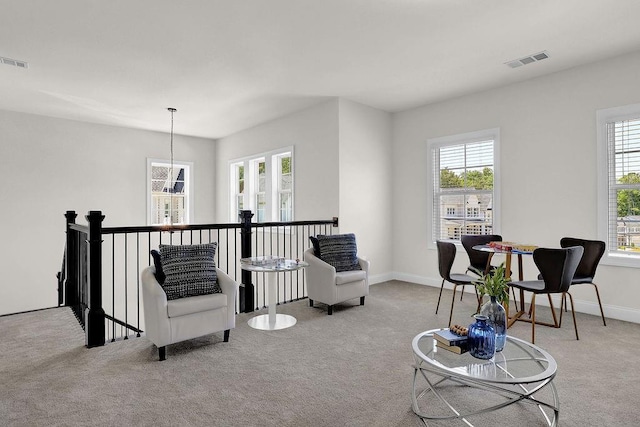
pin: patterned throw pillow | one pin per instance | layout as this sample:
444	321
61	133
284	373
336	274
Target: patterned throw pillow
316	246
190	270
157	262
340	251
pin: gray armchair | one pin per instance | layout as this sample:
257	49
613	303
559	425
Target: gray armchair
172	321
327	286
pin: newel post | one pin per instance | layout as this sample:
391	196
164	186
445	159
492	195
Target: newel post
94	314
71	264
247	303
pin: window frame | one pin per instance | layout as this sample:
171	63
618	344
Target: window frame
603	118
278	190
459	139
271	190
188	187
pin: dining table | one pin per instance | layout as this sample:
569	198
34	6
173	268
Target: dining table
509	249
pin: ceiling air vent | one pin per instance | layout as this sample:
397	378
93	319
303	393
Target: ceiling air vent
14	62
528	59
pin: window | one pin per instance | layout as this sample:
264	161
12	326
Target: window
270	192
238	191
619	184
259	186
169	193
463	185
285	188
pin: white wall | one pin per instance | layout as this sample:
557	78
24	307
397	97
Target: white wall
50	166
365	183
313	133
342	168
548	159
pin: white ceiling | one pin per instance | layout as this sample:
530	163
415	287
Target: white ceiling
227	65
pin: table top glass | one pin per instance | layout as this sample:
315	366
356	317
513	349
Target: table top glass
280	264
519	362
487	248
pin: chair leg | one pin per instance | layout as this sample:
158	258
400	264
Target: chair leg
453	300
440	296
162	352
310	302
330	310
532	310
226	335
573	313
515	301
553	313
361	300
600	304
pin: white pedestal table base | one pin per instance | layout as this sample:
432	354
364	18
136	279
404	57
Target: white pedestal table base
282	321
272	321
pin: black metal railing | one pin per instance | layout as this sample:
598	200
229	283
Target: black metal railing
102	265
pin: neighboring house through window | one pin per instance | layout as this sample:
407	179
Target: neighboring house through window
463	184
619	184
169	194
263	184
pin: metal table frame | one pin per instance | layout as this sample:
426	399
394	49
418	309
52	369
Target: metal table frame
512	388
507	266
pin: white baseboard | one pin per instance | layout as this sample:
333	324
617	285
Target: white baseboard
379	278
610	311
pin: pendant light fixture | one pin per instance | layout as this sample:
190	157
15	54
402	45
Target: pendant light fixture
172	188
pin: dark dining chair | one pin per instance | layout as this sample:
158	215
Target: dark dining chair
557	268
593	251
479	260
446	257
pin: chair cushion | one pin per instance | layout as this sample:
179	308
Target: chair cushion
183	306
535	286
462	279
578	280
190	270
340	251
350	276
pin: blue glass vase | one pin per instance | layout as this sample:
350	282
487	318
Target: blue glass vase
481	338
497	317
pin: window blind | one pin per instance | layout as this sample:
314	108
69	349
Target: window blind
463	189
623	145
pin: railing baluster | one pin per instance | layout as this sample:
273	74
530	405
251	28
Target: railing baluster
138	280
113	283
291	257
126	283
81	267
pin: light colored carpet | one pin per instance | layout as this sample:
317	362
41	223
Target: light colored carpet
350	369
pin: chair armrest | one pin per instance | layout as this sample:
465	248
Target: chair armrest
319	267
230	289
154	302
365	264
227	284
321	279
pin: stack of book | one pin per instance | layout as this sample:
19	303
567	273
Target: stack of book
447	340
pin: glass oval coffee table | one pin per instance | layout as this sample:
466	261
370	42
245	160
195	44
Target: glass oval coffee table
521	372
